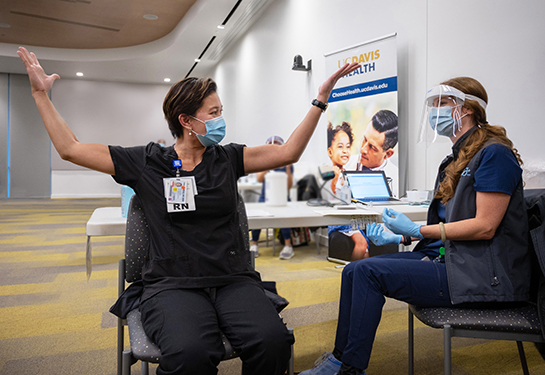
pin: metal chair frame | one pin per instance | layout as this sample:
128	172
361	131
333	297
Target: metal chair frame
450	331
524	321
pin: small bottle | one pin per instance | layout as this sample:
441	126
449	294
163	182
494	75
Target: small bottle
346	193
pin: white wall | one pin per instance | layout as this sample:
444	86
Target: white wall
263	96
496	42
500	43
110	113
83	183
125	114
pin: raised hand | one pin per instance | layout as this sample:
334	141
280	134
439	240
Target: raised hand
39	81
325	89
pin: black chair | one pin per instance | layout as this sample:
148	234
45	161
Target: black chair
518	323
130	270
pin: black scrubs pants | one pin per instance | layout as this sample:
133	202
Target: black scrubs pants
186	324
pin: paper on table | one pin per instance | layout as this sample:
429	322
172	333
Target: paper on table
258	213
357	212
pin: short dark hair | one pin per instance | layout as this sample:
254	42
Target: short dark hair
185	96
331	133
385	121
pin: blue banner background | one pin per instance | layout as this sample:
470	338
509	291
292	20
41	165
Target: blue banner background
364	89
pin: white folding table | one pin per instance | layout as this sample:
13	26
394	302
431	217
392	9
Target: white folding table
107	221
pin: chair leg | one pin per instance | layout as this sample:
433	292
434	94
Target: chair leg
126	363
447	335
411	342
274	242
145	368
291	364
522	358
120	325
120	345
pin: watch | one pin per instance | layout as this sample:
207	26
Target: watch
319	104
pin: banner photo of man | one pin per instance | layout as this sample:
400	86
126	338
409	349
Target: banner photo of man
362	130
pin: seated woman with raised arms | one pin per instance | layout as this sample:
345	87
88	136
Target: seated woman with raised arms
197	280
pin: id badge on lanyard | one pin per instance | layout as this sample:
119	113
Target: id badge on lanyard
180	191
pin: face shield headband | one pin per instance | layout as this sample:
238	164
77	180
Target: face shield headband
445	90
274	140
441	113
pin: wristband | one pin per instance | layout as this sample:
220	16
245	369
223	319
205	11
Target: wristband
406	240
443	234
319	104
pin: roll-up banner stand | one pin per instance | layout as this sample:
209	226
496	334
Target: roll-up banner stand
362	118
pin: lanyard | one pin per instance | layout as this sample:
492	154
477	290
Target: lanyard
180	192
177	164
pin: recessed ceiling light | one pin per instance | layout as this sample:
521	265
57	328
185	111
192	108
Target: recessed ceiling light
79	74
5	25
197	60
151	17
221	27
167	80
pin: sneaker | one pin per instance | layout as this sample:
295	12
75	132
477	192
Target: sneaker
255	249
327	364
287	252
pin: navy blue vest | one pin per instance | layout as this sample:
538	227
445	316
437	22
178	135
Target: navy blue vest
486	270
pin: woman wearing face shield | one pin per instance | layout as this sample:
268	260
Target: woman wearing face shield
473	248
198	279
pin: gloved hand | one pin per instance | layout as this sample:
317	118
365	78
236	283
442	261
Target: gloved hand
400	224
376	233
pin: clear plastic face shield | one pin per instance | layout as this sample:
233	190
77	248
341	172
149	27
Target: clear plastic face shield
274	140
442	113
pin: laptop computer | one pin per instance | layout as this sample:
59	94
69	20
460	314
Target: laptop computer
370	186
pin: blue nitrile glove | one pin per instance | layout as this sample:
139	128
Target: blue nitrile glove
400	224
376	233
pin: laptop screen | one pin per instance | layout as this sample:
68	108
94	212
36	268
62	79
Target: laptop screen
367	185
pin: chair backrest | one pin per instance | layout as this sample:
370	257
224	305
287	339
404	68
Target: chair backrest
136	240
307	188
243	221
137	237
535	205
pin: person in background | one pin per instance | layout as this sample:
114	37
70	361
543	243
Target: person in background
339	143
198	280
287	252
474	247
350	244
162	142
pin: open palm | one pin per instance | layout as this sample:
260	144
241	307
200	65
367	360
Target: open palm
39	81
326	87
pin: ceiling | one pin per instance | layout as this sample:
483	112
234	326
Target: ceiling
142	41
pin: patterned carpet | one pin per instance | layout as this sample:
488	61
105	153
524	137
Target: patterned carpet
54	321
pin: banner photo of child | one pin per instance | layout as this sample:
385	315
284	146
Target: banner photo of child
362	135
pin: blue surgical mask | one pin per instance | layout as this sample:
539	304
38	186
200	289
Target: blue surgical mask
441	118
215	131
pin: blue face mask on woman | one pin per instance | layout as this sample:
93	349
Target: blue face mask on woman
441	120
215	131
